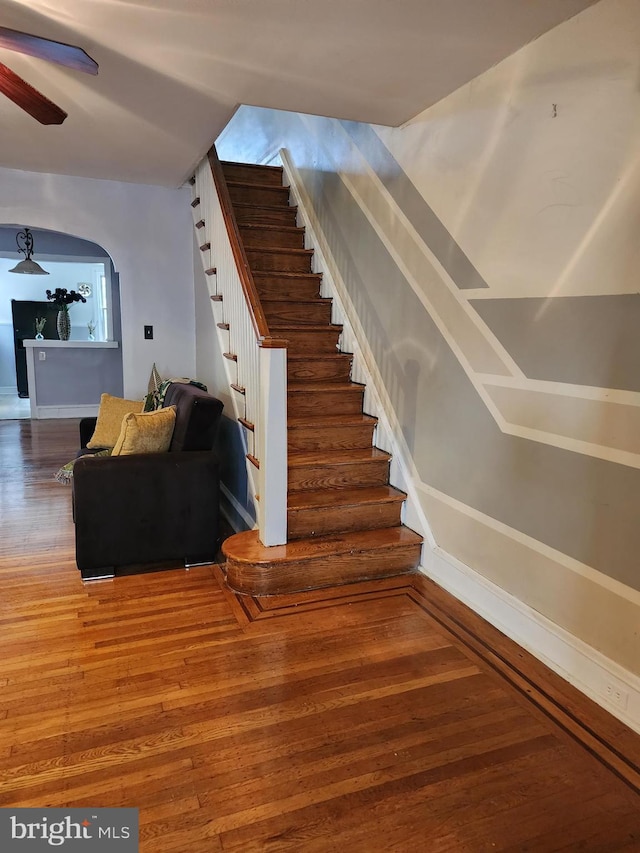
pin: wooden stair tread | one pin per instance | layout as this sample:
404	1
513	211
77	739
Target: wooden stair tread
286	274
299	458
312	300
258	166
256	185
246	547
304	327
269	226
343	497
321	356
301	387
278	250
244	206
326	421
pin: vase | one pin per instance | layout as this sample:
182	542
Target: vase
39	337
63	323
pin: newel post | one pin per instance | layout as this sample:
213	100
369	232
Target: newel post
272	442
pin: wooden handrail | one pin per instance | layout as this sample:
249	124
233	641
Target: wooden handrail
249	289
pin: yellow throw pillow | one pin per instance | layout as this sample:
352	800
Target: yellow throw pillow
110	415
146	432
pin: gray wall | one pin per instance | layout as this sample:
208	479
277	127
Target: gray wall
147	231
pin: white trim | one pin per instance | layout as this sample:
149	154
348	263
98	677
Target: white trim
31	381
566	442
501	353
46	412
240	510
564	389
503	291
575	445
8	389
509	373
582	569
581	665
31	343
272	445
271	158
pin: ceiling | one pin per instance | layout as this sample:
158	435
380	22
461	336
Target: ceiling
172	72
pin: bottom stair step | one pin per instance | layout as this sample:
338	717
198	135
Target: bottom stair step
318	562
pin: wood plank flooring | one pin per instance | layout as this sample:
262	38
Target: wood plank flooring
381	716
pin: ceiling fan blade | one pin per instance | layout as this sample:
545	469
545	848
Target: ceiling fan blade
53	51
25	96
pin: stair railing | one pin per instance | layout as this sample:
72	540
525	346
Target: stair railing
260	388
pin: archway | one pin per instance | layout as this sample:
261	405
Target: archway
73	263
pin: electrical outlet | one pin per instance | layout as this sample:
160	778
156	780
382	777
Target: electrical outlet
616	694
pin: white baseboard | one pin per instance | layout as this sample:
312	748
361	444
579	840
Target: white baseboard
239	510
595	675
9	389
45	412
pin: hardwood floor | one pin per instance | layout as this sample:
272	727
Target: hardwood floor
382	716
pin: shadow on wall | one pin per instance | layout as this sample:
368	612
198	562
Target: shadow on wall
237	500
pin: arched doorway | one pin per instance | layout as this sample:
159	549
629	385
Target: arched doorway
72	263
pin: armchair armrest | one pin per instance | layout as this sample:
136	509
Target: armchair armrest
146	508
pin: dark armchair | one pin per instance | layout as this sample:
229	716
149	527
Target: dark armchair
154	508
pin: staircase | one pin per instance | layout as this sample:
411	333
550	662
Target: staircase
343	517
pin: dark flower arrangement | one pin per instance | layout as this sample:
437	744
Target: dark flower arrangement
61	297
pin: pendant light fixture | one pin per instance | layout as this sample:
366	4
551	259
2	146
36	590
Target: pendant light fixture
24	239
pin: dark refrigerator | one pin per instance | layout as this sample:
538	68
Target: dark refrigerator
24	314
